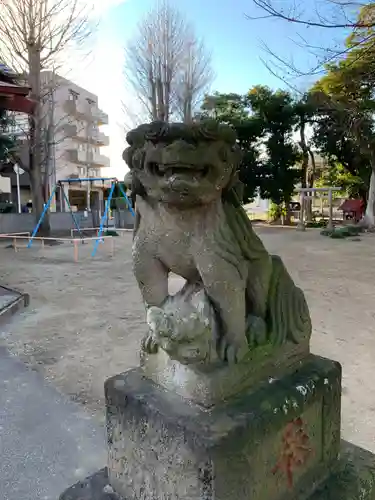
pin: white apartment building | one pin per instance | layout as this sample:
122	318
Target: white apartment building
74	120
71	128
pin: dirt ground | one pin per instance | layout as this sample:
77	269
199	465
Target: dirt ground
86	319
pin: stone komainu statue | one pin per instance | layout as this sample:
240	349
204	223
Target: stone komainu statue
190	221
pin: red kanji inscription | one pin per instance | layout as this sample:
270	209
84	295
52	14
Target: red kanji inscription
295	450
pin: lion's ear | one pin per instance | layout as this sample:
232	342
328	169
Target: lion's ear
235	183
239	189
128	179
234	191
127	156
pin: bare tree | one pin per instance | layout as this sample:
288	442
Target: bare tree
195	78
35	35
166	66
343	13
359	17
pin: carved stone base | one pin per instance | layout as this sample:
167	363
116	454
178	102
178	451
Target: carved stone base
210	384
162	447
277	443
353	479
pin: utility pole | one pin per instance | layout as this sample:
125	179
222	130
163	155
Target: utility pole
88	156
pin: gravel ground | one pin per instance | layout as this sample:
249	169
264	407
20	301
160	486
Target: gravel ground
86	319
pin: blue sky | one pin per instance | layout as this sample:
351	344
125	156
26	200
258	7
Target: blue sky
235	43
234	40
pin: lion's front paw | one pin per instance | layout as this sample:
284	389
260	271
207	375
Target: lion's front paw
232	350
150	344
256	331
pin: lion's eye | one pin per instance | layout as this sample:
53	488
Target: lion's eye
153	168
223	154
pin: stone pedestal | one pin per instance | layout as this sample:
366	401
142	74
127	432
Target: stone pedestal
353	479
280	442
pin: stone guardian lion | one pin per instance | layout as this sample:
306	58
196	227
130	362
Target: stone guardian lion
190	221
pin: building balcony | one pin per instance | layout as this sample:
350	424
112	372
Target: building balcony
76	156
74	108
100	139
102	184
84	185
89	159
98	115
82	134
85	111
75	132
101	161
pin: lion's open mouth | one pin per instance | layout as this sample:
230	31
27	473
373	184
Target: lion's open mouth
185	171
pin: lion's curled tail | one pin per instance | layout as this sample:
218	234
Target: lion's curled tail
287	311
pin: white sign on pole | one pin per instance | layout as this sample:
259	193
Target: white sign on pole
18	171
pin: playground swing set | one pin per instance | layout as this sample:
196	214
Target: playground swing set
105	216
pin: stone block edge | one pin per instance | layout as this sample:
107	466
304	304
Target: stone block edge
353	479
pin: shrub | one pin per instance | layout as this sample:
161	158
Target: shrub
342	232
276	211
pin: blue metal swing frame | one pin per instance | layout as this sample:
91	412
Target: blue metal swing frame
104	218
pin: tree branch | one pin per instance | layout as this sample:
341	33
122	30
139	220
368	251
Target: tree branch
166	65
